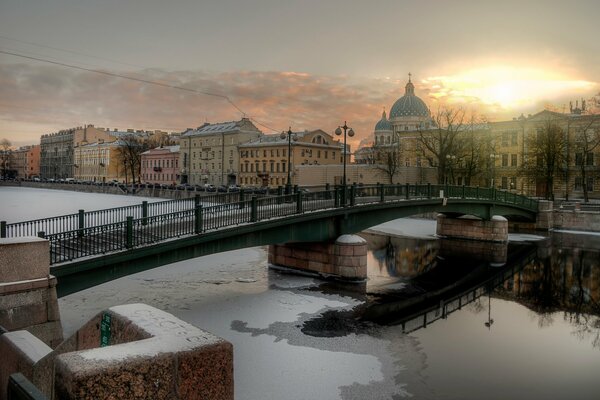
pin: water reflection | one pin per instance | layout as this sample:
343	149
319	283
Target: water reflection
415	282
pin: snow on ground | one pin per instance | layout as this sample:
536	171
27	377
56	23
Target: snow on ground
407	227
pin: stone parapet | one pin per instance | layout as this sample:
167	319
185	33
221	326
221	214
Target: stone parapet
24	258
128	352
577	220
27	292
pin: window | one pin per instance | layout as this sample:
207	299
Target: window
505	139
513	139
578	158
505	160
578	183
590	184
504	182
589	159
513	160
513	182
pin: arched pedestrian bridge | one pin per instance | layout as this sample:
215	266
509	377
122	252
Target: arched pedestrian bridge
125	240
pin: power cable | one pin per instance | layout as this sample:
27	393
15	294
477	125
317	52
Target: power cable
147	81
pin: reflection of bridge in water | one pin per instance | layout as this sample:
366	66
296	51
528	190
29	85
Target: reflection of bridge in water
419	311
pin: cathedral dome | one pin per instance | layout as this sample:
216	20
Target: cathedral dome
409	105
384	124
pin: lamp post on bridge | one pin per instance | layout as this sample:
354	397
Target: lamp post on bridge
290	136
347	132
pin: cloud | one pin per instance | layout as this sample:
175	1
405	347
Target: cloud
43	99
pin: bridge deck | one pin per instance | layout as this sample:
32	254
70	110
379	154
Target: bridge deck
106	231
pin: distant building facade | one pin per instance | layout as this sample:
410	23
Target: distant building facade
26	161
161	165
264	161
209	154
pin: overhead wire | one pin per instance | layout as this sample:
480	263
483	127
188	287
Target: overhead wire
141	80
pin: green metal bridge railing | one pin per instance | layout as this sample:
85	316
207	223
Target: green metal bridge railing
93	233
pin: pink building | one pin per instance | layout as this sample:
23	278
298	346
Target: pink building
161	165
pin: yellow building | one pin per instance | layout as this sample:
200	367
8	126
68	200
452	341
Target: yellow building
264	161
209	154
99	162
511	142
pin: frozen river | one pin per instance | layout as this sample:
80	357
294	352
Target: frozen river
300	338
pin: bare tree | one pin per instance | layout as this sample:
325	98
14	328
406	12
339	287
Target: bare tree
5	156
388	160
440	144
130	151
545	156
587	140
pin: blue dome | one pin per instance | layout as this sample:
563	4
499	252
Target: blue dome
409	105
384	124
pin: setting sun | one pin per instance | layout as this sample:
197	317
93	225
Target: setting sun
505	88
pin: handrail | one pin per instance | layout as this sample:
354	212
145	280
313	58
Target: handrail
87	234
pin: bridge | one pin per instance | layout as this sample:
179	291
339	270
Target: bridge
107	244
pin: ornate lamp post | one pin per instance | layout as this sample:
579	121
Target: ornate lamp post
347	132
290	136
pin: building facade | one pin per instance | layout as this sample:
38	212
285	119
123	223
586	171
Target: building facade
161	165
264	161
209	154
26	161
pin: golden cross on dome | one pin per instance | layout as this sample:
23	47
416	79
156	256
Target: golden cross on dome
409	75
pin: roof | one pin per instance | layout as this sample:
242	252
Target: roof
384	124
276	139
409	105
222	127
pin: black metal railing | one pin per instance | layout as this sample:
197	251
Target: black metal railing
87	234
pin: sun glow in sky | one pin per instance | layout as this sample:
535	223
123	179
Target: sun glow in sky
309	64
505	88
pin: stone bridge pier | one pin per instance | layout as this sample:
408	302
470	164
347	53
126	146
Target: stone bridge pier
345	258
494	230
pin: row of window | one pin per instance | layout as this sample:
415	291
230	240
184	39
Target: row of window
273	166
156	177
166	163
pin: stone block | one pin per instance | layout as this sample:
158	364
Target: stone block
24	259
344	250
24	316
152	355
20	351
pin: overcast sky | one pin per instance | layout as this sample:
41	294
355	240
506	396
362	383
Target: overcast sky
305	64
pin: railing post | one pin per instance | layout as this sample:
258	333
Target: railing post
241	198
327	191
446	191
129	242
295	188
81	223
429	190
254	210
407	194
381	192
42	234
463	191
196	200
2	229
198	219
299	202
144	212
336	194
477	192
353	194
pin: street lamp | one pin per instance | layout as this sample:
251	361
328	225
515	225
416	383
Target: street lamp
347	132
290	136
493	158
450	162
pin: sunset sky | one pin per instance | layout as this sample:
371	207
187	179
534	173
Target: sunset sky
306	64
